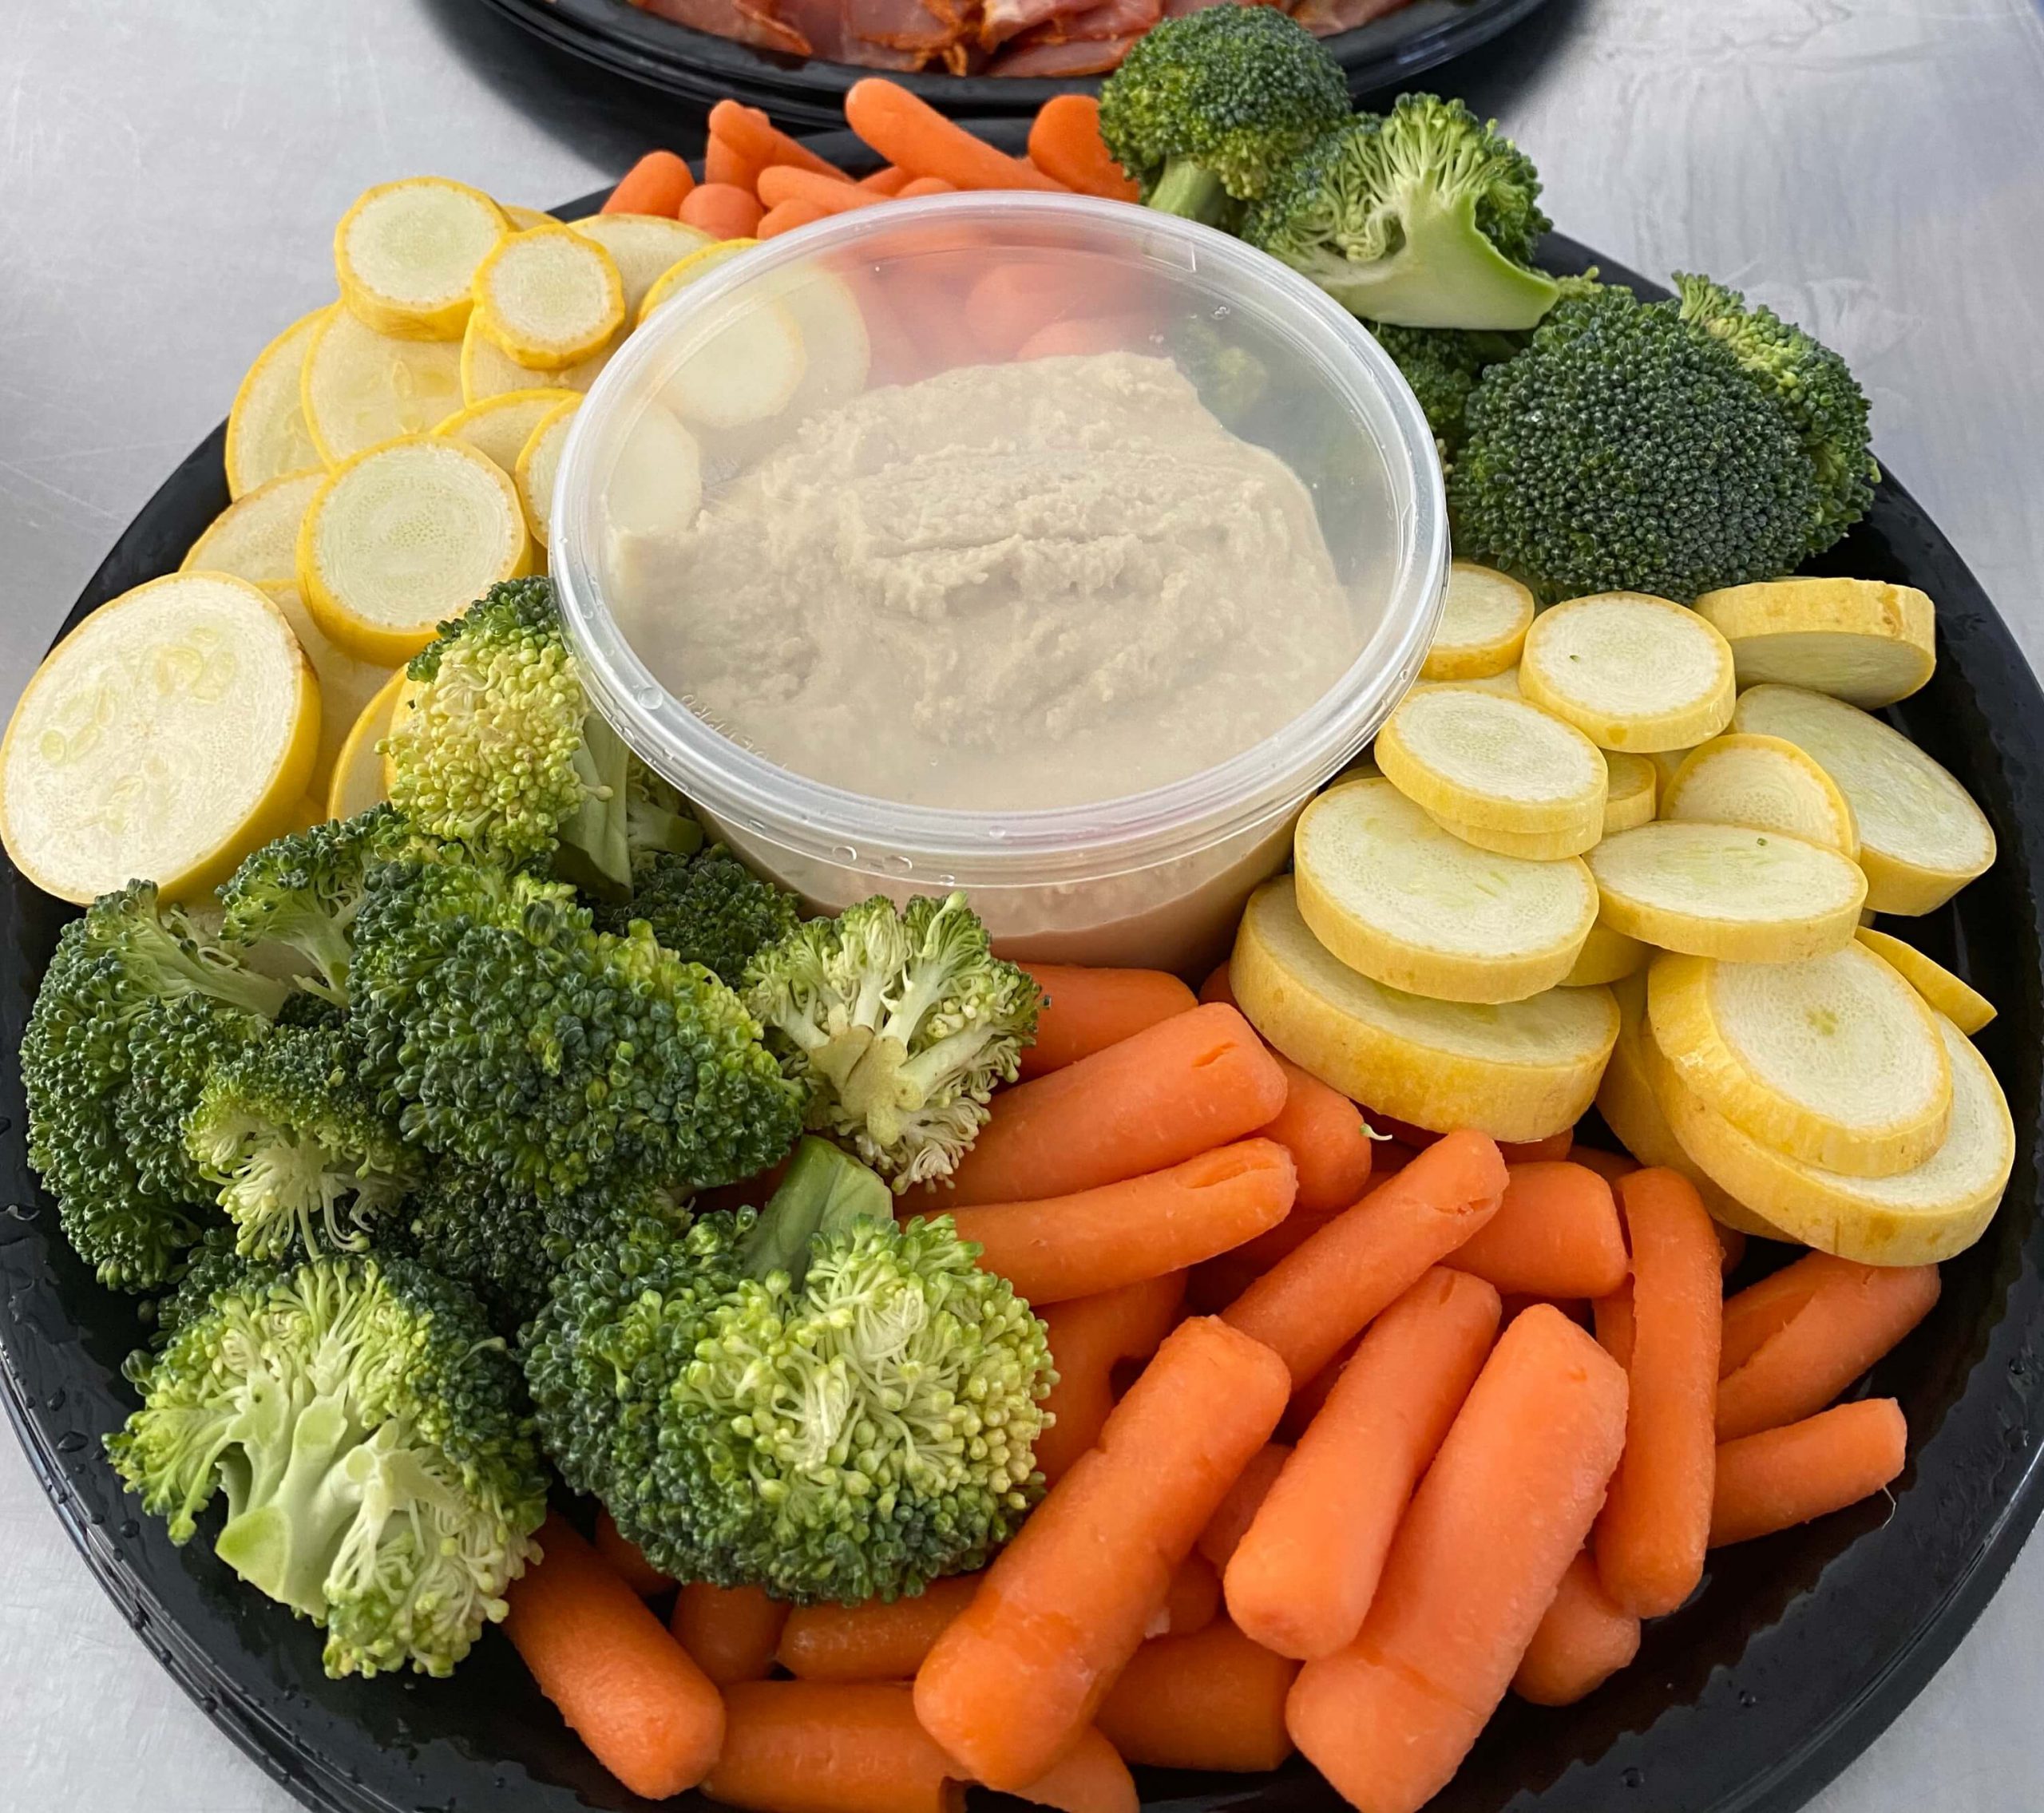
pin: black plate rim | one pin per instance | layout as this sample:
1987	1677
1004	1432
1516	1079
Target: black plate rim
2012	1348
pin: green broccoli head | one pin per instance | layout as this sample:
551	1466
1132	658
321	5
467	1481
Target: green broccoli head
123	1206
1814	384
899	1023
1628	450
296	1144
1424	218
818	1403
1205	110
708	908
367	1428
172	1047
1442	364
304	890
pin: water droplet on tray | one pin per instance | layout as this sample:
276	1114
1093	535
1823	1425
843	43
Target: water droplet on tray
128	1529
1748	1699
54	1401
1632	1778
70	1442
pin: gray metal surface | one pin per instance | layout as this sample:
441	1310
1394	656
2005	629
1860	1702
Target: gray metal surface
169	177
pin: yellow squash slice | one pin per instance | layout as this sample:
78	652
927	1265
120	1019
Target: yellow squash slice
1520	1071
359	781
525	220
1956	998
1921	836
404	536
1920	1217
167	735
406	254
267	436
1667	765
1725	891
1630	793
499	427
1391	894
1507	683
687	269
1766	783
550	298
1483	619
488	371
655	488
346	685
1862	640
255	537
1528	846
1629	671
749	368
1606	956
538	460
645	248
1834	1060
361	388
1481	761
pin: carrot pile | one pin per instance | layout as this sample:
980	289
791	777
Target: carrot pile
1351	1436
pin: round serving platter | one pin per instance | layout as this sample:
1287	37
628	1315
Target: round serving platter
1792	1656
617	36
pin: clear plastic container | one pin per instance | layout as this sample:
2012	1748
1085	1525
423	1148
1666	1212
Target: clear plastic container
1154	875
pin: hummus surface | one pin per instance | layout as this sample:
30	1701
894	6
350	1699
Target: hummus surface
1006	587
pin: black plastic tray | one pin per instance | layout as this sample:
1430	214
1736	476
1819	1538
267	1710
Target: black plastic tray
617	36
1793	1656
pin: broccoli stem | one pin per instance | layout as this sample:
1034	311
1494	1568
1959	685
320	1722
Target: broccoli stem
596	832
825	1192
288	1523
1189	189
1447	274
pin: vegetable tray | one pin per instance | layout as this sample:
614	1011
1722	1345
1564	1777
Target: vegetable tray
1795	1653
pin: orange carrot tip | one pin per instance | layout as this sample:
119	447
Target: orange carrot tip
658	184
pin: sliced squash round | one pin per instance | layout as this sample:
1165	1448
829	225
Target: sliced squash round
1951	995
1766	783
406	254
1391	894
691	267
1726	891
549	298
488	371
167	735
1630	793
1522	1070
1920	1217
359	781
1667	765
498	427
749	369
267	435
404	536
1505	684
1483	761
1483	619
1528	846
1921	836
525	220
1834	1060
538	460
360	388
1862	640
645	248
1629	671
655	488
255	537
346	684
1606	956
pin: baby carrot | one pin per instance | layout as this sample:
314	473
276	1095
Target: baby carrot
1217	987
1555	1234
1085	1010
1612	1318
886	180
621	1554
1732	1249
1174	1089
1090	1336
1501	1513
780	182
1855	1316
731	1631
1609	1165
1081	335
1216	1283
723	210
1239	1505
881	1639
1389	1156
625	1687
1065	144
756	138
789	216
1582	1642
1306	1305
1806	1470
829	1747
1098	1240
1211	1700
1193	1601
1016	1679
1310	1398
1089	1778
1652	1532
1551	1150
1761	1311
1323	1131
917	187
1303	1577
911	134
723	162
658	184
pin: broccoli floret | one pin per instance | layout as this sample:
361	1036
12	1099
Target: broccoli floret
1815	385
210	1265
1425	218
1205	109
111	968
818	1402
172	1047
899	1023
367	1430
708	908
295	1144
305	889
1627	449
1442	364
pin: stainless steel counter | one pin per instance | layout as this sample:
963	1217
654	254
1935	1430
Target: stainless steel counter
169	177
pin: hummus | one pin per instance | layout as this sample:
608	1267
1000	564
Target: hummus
1004	587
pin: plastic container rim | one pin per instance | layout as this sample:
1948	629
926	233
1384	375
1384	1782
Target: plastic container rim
1128	831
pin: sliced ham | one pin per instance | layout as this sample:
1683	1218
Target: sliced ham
1070	57
727	19
1003	19
1325	18
1113	18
